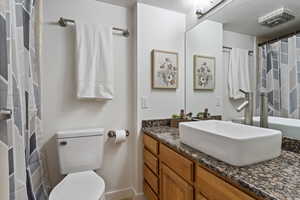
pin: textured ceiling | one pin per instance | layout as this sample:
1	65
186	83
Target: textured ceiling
242	16
238	16
183	6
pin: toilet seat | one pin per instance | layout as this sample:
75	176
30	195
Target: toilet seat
79	186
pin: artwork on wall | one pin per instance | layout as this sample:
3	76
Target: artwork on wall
204	72
164	70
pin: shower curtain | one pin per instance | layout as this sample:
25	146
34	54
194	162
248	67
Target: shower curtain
20	91
279	76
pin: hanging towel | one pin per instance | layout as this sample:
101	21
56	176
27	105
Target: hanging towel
94	47
238	73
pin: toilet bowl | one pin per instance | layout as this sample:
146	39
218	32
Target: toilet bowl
79	153
85	185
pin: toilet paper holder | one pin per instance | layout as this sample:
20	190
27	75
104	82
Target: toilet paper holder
112	134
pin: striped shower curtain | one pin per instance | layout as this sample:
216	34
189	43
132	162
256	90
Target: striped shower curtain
20	91
279	76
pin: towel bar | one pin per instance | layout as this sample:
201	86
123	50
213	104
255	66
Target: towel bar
5	114
64	22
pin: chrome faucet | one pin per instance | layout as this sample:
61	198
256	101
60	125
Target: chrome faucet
248	106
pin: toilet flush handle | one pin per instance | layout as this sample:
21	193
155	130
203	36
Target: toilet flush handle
63	143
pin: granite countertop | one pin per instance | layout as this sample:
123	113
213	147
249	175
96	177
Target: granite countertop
277	179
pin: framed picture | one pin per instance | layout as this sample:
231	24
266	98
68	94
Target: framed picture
204	72
164	69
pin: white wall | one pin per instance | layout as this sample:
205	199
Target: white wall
163	30
236	40
205	39
61	109
156	28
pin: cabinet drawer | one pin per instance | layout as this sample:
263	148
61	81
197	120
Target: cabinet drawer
151	179
151	144
199	196
214	188
151	161
149	193
182	166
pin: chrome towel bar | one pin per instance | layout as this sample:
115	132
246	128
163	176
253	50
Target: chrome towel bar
5	114
64	22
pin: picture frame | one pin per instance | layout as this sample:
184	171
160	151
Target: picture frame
204	72
165	70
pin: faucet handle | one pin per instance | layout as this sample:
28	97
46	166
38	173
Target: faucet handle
244	92
264	94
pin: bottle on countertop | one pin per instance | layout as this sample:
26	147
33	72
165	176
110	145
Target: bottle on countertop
182	114
205	114
189	116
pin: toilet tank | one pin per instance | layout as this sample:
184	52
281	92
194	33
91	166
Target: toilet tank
80	150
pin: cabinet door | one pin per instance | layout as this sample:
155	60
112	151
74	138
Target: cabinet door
173	187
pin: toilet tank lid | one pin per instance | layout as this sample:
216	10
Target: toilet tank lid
80	133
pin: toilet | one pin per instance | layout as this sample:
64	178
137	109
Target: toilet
80	152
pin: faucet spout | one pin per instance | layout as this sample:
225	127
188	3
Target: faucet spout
242	106
247	105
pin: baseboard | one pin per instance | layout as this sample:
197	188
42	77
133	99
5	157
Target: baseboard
127	193
138	196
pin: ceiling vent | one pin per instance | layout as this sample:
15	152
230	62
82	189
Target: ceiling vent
276	17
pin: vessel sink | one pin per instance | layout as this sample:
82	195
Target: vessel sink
235	144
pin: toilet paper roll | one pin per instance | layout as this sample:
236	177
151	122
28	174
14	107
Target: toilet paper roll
120	136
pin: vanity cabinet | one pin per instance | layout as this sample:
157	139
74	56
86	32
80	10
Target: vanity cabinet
151	168
169	175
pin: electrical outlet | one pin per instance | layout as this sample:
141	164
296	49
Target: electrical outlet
218	102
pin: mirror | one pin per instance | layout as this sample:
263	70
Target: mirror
249	45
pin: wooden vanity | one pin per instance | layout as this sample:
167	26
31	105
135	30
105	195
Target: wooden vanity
168	175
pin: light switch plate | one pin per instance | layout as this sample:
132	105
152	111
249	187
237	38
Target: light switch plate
145	103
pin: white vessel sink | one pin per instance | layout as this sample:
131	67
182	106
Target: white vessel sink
289	127
235	144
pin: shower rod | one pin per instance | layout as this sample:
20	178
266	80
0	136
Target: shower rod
64	22
230	48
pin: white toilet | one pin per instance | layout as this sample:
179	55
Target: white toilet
80	152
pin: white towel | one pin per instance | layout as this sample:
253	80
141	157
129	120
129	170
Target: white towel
238	73
94	47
